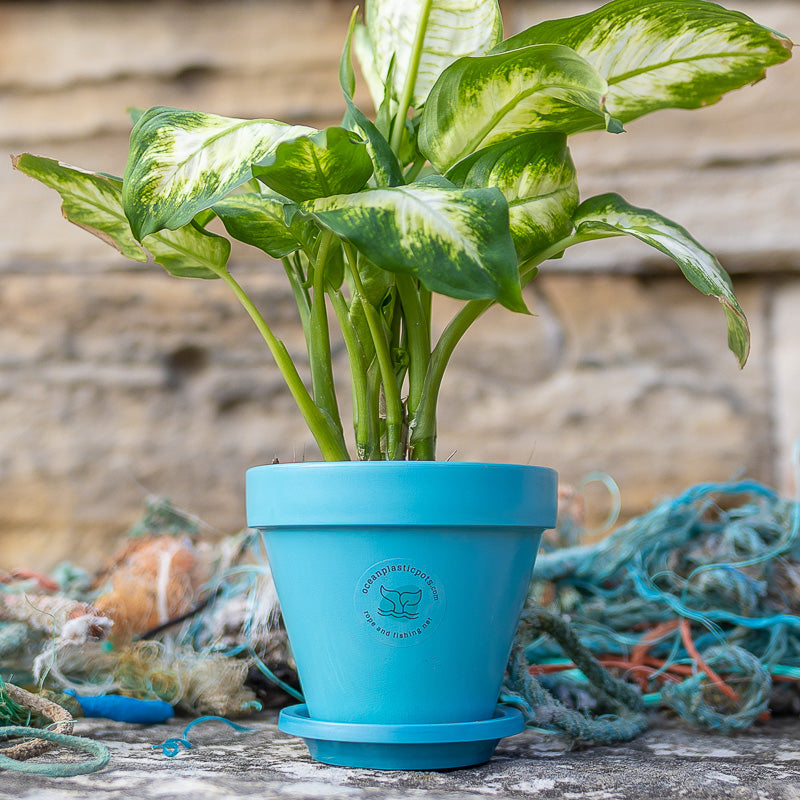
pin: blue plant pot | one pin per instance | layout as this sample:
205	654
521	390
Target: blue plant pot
401	586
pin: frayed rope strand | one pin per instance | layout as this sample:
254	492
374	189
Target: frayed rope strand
626	718
697	601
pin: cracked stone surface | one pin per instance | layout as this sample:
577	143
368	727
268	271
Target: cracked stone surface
671	760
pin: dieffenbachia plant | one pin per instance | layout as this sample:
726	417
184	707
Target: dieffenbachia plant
460	183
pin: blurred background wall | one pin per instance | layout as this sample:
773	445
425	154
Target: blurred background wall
118	381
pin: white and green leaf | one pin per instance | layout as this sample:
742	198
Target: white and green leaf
537	177
332	161
385	166
189	251
258	220
365	55
93	201
610	215
454	28
455	241
663	53
182	162
89	200
386	169
480	101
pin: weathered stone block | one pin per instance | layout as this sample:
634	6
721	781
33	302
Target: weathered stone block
629	376
785	374
117	381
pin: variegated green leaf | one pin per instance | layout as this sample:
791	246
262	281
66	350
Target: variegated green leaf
90	200
333	161
181	162
375	282
663	53
365	55
454	28
536	175
94	202
258	220
456	241
135	113
480	101
610	215
385	167
189	251
386	170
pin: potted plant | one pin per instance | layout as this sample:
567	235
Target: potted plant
402	578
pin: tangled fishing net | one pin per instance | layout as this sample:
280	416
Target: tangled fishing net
693	607
171	617
696	602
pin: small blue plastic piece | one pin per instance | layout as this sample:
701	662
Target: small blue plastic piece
124	709
171	747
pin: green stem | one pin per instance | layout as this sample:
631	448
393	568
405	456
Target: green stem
374	402
301	297
358	375
423	436
414	170
419	340
319	354
411	78
391	392
398	341
330	440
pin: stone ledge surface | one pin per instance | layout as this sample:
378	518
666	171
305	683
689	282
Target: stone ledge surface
669	761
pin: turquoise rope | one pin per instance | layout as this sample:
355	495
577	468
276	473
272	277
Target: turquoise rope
270	675
99	752
713	556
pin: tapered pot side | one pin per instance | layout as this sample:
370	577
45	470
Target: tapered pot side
401	583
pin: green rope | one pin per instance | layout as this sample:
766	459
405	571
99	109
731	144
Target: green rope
622	715
99	752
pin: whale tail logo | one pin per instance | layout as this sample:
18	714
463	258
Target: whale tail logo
398	604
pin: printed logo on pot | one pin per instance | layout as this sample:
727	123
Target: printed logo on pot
400	602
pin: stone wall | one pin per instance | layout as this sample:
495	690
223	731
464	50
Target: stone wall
117	381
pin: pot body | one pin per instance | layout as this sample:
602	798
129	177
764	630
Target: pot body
401	583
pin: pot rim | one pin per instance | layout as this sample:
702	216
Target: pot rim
407	493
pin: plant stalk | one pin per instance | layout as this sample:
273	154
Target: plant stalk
319	337
328	437
358	375
374	402
394	406
419	340
423	436
411	78
301	297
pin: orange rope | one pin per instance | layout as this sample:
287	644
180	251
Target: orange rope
640	662
686	638
48	584
649	639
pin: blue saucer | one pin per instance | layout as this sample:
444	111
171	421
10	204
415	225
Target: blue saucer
404	746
